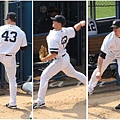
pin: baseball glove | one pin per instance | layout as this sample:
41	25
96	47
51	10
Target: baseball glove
43	52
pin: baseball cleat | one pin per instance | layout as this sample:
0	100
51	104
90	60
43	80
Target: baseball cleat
38	105
90	93
117	107
11	106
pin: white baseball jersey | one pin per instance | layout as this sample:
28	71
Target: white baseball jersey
11	39
111	45
57	40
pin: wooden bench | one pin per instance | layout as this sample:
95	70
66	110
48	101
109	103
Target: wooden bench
95	42
94	45
38	40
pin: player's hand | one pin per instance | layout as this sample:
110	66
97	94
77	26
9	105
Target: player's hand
43	59
98	75
82	23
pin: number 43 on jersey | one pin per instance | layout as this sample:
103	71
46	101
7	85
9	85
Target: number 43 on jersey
6	35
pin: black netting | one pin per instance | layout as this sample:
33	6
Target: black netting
103	3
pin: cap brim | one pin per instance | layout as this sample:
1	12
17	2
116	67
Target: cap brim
52	18
5	18
114	26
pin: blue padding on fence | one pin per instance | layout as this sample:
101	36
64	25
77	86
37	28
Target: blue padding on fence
2	76
58	76
42	65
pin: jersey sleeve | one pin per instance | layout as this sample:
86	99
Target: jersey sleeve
70	32
24	40
106	45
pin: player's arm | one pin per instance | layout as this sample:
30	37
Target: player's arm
78	26
72	31
50	56
24	44
100	62
23	48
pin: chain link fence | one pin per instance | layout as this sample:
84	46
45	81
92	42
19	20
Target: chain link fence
103	3
101	9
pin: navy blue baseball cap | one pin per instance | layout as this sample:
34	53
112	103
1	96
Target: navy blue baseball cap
12	16
116	23
59	18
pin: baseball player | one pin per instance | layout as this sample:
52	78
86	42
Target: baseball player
12	38
109	51
57	41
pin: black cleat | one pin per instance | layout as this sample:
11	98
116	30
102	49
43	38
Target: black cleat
11	106
117	107
38	105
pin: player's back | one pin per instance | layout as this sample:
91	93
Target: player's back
11	38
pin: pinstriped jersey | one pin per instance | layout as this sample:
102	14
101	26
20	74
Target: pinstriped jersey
11	39
58	40
111	45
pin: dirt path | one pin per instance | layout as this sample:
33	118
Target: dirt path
102	103
23	104
63	103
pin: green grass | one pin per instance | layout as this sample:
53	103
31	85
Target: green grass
104	11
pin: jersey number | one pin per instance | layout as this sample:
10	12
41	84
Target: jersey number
91	26
5	35
63	41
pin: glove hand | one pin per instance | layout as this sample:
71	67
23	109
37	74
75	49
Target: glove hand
42	52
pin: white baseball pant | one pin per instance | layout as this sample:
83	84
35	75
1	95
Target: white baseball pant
93	81
59	64
10	66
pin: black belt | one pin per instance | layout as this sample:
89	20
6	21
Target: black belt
62	55
8	55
